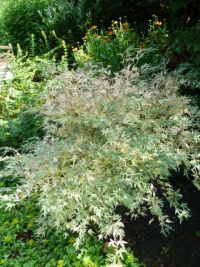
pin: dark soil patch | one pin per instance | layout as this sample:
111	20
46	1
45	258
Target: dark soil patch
26	235
181	248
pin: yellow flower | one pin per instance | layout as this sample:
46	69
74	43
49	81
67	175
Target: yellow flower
158	23
96	36
115	22
93	27
63	44
110	32
125	26
106	39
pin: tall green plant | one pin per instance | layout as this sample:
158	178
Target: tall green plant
19	19
69	18
107	47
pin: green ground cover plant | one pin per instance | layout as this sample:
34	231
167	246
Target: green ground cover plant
21	246
108	143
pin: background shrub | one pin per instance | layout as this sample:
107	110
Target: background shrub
21	246
19	19
69	19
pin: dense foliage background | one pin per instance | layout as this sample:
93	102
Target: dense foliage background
69	19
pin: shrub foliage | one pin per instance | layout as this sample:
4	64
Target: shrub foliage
109	143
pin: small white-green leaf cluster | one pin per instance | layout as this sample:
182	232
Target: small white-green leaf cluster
109	143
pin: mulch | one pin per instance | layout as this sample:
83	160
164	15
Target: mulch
181	248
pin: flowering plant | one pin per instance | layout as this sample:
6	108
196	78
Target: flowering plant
108	47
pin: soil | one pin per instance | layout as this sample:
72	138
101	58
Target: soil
181	248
